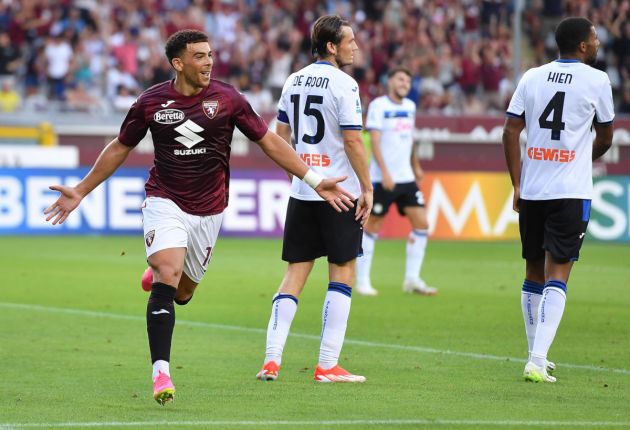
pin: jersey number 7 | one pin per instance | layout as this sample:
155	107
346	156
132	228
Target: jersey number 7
555	105
309	110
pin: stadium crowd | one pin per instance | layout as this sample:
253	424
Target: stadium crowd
89	55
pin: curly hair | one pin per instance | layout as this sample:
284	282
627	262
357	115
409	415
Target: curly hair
571	32
177	42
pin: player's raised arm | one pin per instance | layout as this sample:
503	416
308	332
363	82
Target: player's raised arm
512	148
284	156
353	146
114	154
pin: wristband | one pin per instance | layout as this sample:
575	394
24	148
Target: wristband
312	179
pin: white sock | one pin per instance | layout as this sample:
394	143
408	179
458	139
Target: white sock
334	321
416	245
160	366
530	302
283	308
364	263
549	316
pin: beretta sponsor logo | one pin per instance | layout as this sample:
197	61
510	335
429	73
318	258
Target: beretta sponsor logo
168	116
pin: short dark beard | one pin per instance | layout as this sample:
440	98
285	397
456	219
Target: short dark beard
591	60
401	96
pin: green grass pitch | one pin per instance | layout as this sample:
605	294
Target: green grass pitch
74	354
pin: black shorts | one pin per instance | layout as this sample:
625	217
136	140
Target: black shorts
404	195
557	226
313	229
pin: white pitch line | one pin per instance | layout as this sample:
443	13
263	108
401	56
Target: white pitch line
392	422
305	336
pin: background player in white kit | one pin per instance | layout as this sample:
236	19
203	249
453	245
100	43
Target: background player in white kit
320	104
397	176
559	104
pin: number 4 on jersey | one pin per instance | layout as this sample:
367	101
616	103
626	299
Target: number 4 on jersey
555	105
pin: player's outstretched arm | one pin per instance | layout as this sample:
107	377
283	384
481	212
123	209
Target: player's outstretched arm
353	146
512	148
603	139
284	131
284	156
108	161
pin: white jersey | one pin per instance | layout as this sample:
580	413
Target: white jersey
559	102
396	122
318	102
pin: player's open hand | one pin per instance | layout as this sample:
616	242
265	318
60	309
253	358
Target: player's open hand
419	175
387	182
329	190
66	203
517	196
364	207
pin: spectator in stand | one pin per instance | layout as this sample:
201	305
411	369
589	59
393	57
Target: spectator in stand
270	39
79	99
226	19
9	98
126	52
124	99
415	93
432	91
621	45
95	50
471	103
81	65
491	75
624	107
5	15
280	68
74	22
470	68
161	71
603	34
506	88
368	85
259	97
552	13
115	77
34	74
9	56
447	68
58	53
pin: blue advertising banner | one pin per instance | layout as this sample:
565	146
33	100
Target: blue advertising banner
257	203
113	207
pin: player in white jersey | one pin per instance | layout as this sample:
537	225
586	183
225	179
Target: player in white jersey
321	109
559	104
397	176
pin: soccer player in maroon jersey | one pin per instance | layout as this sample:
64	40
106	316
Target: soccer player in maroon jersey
191	119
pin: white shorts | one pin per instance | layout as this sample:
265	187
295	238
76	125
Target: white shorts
167	226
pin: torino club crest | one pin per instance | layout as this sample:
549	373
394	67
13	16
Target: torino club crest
210	108
148	238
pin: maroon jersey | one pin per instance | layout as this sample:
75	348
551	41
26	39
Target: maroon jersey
192	137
